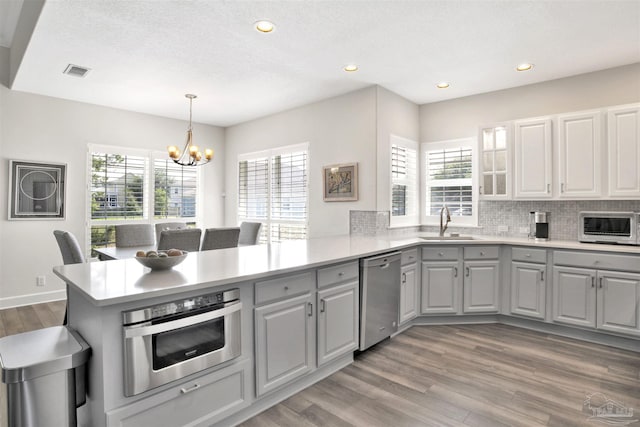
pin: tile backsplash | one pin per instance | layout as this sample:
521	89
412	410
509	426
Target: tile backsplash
563	218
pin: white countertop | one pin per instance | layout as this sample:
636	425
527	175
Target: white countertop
113	282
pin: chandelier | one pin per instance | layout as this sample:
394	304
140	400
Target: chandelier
191	154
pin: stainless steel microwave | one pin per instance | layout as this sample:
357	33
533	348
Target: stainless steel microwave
609	227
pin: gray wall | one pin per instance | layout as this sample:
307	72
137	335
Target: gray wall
39	128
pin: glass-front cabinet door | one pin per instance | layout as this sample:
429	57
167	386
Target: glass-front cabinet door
495	162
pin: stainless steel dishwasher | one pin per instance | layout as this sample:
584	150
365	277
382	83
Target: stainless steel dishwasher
379	298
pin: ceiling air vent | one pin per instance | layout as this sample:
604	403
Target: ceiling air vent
76	70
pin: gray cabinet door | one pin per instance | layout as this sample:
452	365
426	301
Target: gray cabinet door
285	342
481	286
528	283
337	321
619	302
574	296
408	293
441	287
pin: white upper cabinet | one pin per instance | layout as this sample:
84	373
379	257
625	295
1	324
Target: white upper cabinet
533	161
495	162
624	151
580	154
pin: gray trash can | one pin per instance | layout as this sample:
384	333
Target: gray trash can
44	374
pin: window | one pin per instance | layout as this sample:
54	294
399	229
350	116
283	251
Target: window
272	189
450	181
404	194
137	186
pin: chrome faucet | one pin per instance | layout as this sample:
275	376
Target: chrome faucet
443	210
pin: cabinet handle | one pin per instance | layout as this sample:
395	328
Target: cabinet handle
341	274
548	188
322	306
185	390
286	288
467	272
411	257
455	271
481	253
600	280
404	277
562	187
480	189
310	306
593	282
528	255
440	254
542	276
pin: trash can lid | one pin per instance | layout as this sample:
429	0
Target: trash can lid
44	351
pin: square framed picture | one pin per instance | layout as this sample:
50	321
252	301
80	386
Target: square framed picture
340	182
36	190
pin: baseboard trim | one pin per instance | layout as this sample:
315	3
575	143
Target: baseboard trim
39	298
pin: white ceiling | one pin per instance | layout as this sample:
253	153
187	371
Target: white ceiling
145	55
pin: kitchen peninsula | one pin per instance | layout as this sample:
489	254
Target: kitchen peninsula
297	285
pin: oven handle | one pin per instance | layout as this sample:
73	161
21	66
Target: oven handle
143	330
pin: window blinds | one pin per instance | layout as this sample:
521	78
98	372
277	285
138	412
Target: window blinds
449	181
176	190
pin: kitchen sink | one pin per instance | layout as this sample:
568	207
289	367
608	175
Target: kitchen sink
448	238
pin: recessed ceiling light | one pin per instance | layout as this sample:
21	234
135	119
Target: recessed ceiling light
524	67
350	68
76	70
264	26
442	85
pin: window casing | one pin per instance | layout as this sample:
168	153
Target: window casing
404	182
272	189
137	186
450	179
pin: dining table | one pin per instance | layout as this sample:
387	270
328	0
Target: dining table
111	253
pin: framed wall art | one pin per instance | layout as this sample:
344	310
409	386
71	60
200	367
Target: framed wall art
340	182
36	190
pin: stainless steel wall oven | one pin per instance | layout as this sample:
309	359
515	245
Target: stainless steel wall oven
166	342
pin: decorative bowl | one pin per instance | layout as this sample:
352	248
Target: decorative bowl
162	263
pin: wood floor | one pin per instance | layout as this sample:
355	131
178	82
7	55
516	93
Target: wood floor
31	317
473	375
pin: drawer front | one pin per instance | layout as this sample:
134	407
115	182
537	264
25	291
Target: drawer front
597	260
284	287
481	252
440	253
529	255
409	256
337	274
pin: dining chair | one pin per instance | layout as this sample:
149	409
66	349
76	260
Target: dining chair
187	239
71	253
163	226
249	233
128	235
220	238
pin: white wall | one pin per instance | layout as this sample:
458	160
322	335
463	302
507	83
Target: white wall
395	116
461	117
39	128
338	130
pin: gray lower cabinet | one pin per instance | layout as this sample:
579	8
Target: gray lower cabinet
338	308
408	286
607	300
441	283
574	296
285	341
199	402
481	286
528	285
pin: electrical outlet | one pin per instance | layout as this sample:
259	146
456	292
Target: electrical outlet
524	230
503	228
41	280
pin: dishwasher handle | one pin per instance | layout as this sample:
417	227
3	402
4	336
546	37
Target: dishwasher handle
381	261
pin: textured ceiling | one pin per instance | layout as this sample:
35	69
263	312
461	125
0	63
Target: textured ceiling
145	55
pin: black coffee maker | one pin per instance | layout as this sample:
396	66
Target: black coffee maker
539	225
